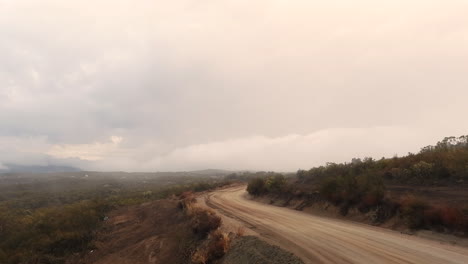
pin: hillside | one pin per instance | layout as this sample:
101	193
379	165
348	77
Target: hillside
46	218
427	190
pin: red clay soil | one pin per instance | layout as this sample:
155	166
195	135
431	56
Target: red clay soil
156	232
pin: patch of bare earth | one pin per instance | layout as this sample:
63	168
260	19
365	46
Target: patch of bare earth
156	232
177	231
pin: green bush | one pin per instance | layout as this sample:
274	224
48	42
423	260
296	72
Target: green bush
329	188
257	186
272	183
276	184
366	189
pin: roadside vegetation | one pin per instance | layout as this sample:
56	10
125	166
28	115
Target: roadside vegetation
47	223
212	243
371	185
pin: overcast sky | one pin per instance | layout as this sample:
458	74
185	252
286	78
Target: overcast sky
229	84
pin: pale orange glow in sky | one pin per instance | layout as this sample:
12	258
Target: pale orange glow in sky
266	84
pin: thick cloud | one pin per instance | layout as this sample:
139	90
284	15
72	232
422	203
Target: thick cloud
169	85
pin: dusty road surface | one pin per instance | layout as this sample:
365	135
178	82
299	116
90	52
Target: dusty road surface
322	240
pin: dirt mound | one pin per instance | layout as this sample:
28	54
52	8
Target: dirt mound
156	232
250	249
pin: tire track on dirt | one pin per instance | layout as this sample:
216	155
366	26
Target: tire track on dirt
322	240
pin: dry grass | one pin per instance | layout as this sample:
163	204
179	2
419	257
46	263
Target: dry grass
187	201
240	231
212	249
204	221
205	225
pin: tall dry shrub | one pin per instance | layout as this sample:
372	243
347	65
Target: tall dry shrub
204	221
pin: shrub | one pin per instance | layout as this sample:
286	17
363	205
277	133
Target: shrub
200	256
204	221
419	214
276	184
257	186
412	210
49	235
371	199
218	245
329	189
187	194
214	248
240	231
451	217
187	200
432	217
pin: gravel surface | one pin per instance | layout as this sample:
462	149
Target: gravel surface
251	250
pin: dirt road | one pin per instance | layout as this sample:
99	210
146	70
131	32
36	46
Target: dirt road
322	240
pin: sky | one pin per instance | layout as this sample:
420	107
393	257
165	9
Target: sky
228	84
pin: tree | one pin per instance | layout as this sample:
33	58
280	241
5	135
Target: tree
257	186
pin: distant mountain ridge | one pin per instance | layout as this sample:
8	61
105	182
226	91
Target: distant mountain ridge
15	168
211	171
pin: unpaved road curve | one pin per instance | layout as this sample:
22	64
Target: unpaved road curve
322	240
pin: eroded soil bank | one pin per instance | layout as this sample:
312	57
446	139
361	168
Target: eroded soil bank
161	232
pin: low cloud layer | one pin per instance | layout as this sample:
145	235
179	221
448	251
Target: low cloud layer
180	85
